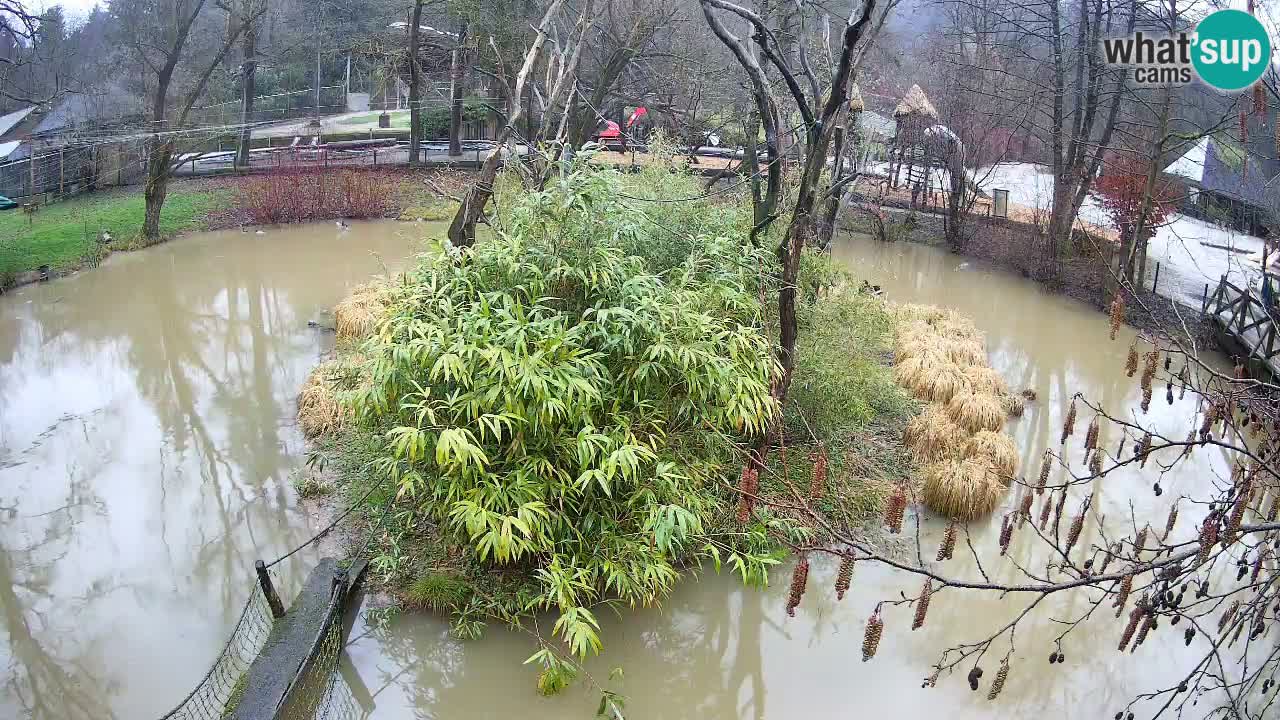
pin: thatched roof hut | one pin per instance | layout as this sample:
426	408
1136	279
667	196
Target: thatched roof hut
915	103
856	105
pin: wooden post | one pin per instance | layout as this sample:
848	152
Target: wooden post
62	170
31	166
268	589
1155	283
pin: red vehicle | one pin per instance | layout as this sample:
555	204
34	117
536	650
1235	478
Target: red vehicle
611	135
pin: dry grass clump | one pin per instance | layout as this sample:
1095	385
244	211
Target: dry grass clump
319	411
933	435
931	379
358	315
940	358
963	489
977	411
996	447
964	352
985	380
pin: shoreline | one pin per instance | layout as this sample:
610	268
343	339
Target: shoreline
1077	279
415	201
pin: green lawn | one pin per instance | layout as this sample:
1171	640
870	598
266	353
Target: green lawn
399	118
61	234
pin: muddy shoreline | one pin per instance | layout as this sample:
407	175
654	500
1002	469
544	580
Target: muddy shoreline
1080	278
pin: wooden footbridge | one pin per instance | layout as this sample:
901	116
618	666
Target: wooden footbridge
1246	326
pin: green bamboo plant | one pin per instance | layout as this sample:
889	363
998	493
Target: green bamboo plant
566	410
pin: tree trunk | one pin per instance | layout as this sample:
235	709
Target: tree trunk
462	230
249	88
415	82
159	155
457	75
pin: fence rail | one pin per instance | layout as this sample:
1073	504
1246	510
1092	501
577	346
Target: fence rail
1245	323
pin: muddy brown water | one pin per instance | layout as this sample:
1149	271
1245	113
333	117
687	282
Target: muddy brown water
146	449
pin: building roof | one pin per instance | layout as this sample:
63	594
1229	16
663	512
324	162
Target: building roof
1191	164
7	148
8	122
1241	169
915	103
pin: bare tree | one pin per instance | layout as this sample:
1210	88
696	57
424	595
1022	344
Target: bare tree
158	35
818	112
462	230
248	73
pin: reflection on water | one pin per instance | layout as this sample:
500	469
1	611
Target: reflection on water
146	446
718	651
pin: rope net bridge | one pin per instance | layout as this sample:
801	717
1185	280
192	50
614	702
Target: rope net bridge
283	664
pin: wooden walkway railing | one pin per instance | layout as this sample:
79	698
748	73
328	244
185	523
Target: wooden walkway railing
1245	323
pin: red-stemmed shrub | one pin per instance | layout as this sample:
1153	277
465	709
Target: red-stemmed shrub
303	194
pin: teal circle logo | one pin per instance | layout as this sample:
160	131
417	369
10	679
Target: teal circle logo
1232	50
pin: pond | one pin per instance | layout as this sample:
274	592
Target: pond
718	651
147	446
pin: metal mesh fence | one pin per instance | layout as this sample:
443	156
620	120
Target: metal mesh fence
319	691
221	686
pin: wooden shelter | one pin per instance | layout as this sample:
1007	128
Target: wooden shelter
912	117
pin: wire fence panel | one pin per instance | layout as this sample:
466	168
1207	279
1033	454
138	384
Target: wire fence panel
220	689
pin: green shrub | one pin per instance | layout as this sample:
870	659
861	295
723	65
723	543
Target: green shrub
560	410
439	591
841	381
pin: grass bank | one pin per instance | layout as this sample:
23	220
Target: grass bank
65	235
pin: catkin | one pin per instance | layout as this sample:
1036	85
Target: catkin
1148	623
1228	615
896	509
749	485
1006	534
1131	363
1140	542
1069	422
1257	564
922	604
1117	314
1173	520
1024	510
1243	490
871	638
1073	533
1134	617
1146	449
1208	536
1057	511
1091	435
1122	595
1149	370
845	576
1045	509
1146	398
799	578
1003	673
1095	464
948	546
1045	466
818	484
